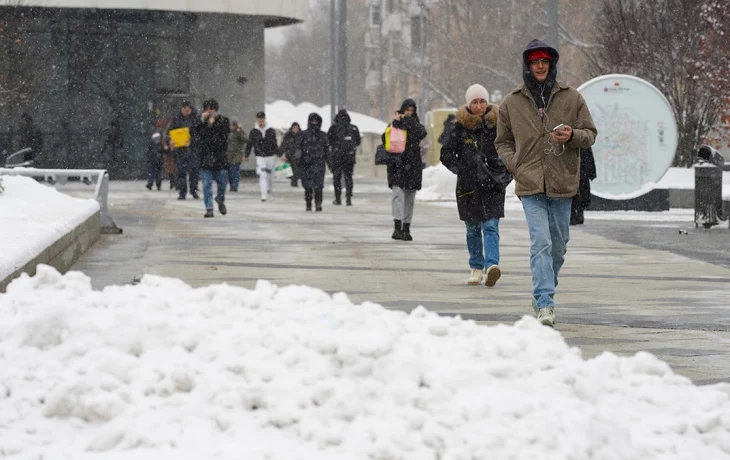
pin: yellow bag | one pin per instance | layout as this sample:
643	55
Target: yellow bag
180	137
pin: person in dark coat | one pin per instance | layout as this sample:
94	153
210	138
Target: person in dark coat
448	127
289	150
186	160
405	171
263	141
236	143
583	199
155	159
314	147
212	137
344	138
482	177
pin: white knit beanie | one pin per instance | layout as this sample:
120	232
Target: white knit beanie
476	92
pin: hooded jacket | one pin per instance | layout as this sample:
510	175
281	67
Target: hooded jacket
313	145
344	138
212	141
524	141
263	141
406	169
470	154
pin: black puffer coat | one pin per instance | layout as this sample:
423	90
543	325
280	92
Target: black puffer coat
344	138
212	141
406	169
482	177
313	144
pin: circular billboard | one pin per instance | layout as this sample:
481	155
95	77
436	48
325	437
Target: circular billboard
637	135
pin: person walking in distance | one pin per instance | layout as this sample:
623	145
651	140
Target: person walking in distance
405	171
469	153
542	126
236	143
312	164
182	145
344	138
262	140
212	134
289	150
155	159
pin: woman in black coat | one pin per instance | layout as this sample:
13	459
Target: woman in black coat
289	148
405	171
314	148
583	199
469	153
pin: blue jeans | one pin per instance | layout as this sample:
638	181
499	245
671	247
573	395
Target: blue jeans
234	175
548	220
482	241
221	178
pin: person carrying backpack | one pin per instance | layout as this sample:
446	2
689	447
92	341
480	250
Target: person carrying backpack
405	171
344	138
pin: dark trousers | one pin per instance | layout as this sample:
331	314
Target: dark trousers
154	174
317	193
337	172
185	172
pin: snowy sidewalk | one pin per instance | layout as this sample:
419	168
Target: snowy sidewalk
613	296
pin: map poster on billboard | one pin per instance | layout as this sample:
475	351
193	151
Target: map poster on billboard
637	135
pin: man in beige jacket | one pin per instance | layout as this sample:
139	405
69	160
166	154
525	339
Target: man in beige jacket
542	126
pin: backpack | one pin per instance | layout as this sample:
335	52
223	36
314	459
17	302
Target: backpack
395	140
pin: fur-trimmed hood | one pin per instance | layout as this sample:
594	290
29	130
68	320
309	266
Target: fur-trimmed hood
470	121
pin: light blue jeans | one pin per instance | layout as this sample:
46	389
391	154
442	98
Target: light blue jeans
482	241
221	178
548	220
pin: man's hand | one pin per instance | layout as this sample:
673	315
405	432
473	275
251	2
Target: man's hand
398	116
562	136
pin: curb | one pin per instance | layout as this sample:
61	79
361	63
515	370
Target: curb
62	254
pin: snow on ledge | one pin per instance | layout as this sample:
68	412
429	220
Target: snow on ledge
161	371
33	216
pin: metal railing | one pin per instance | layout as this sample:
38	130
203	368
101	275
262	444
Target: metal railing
97	177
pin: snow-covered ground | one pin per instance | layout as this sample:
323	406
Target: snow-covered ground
34	216
164	371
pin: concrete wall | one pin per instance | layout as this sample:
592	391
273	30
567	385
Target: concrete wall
63	253
225	48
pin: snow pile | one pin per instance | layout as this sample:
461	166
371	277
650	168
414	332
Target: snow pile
281	114
164	371
439	184
33	217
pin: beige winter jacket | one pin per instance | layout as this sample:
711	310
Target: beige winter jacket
526	147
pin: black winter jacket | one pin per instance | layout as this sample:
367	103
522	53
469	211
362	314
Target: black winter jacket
212	142
314	147
265	146
186	122
344	138
406	169
482	177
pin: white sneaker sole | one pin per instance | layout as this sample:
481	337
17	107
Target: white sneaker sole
474	283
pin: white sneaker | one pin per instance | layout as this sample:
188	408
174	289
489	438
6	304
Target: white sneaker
475	278
263	197
493	275
546	316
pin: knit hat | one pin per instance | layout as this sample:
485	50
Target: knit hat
476	92
539	54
